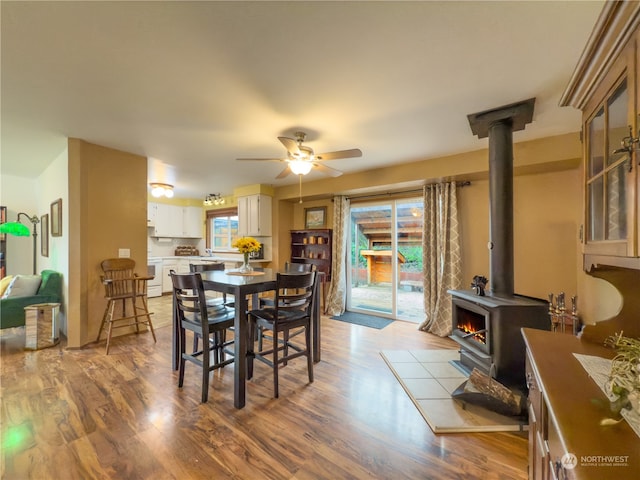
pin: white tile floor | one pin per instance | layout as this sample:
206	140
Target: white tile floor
429	378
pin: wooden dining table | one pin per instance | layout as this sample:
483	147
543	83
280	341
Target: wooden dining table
242	287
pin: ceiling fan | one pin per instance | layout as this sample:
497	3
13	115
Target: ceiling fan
301	159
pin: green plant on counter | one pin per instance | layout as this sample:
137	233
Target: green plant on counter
624	378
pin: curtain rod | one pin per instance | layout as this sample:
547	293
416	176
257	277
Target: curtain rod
400	192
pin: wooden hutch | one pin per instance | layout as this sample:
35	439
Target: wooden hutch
566	406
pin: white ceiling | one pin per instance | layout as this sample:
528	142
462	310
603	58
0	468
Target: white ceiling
198	84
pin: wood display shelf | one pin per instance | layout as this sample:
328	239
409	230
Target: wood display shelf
565	410
313	247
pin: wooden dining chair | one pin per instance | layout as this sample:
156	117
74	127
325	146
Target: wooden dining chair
193	314
288	298
212	300
282	320
126	295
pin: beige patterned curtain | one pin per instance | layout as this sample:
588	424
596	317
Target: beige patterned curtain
336	300
440	256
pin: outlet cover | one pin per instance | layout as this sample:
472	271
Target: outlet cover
124	253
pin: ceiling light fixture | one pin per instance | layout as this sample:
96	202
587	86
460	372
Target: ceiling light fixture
300	167
20	230
213	199
161	190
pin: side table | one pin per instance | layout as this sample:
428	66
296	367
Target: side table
41	321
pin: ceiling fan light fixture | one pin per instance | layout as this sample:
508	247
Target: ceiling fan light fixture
161	190
300	167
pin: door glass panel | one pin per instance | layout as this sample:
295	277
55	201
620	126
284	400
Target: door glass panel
596	191
596	143
618	124
616	203
386	276
410	214
371	260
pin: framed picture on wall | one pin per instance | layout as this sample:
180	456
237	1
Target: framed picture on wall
56	218
44	235
315	217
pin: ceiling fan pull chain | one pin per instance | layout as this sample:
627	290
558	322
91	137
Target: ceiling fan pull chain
300	183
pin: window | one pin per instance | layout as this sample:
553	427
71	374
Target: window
222	228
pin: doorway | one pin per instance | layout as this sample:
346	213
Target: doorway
385	275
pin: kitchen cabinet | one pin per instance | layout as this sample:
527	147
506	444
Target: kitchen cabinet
605	87
313	246
192	222
254	215
174	221
179	265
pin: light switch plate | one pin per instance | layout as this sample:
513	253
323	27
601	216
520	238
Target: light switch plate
124	253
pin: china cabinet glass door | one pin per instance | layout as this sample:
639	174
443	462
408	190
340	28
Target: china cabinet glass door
607	170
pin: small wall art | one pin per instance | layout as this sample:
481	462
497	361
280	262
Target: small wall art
44	235
315	217
56	218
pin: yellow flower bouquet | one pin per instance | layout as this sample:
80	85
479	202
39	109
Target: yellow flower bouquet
246	245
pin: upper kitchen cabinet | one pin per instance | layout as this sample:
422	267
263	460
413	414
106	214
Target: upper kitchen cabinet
192	222
254	215
605	87
174	221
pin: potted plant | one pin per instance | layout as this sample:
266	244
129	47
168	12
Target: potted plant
624	377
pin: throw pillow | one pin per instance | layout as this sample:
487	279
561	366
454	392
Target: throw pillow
4	284
23	286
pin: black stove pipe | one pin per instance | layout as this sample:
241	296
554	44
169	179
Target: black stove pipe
501	208
499	124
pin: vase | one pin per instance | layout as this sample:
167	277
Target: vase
246	268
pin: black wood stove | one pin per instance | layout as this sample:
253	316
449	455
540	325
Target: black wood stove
487	327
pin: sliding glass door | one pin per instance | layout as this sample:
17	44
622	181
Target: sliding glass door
385	274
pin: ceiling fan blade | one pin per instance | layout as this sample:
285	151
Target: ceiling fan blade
290	144
284	172
327	170
354	152
261	159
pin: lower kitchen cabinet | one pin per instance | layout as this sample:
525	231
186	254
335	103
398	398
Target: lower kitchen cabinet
178	265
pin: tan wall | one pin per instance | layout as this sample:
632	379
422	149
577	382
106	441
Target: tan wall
107	211
546	208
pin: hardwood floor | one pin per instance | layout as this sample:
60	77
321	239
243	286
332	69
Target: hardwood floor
79	414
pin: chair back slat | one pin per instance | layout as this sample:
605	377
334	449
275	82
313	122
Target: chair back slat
292	267
206	267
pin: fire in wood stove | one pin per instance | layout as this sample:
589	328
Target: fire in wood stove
472	327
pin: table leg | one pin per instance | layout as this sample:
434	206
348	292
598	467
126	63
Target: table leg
240	351
315	321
